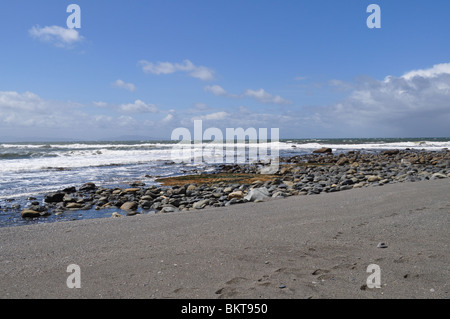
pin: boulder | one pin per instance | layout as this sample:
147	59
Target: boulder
88	187
131	190
373	178
74	206
390	152
257	194
438	176
129	206
201	204
28	213
323	150
268	170
235	194
54	197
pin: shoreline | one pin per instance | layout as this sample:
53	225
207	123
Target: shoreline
310	246
310	174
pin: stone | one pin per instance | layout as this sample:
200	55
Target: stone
129	206
116	215
343	160
257	194
373	178
169	209
69	190
67	198
137	183
323	150
382	245
88	187
191	188
390	152
54	197
131	190
268	170
438	176
28	213
235	194
228	189
200	204
74	206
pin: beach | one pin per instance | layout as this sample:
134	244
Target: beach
298	247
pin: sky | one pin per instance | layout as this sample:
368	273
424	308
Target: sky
135	68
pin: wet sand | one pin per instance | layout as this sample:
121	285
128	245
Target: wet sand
300	247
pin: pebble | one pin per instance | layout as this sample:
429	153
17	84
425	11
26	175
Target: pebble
382	245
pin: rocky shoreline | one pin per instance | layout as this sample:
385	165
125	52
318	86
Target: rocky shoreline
315	173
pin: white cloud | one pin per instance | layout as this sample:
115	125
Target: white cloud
127	86
216	90
212	116
138	107
168	118
265	97
199	72
19	110
259	95
58	36
415	104
436	70
100	103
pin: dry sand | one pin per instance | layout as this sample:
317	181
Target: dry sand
299	247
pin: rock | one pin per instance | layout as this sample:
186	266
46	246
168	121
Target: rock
69	190
28	213
268	170
343	160
347	182
191	188
67	198
55	197
257	194
74	206
131	190
129	206
200	204
137	183
87	187
169	209
323	150
382	245
390	152
373	178
438	176
228	189
235	194
116	215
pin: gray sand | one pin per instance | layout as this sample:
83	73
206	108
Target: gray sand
300	247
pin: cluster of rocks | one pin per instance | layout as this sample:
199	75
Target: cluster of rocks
319	172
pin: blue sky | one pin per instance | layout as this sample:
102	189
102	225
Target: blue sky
143	68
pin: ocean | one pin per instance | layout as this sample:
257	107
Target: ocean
30	170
